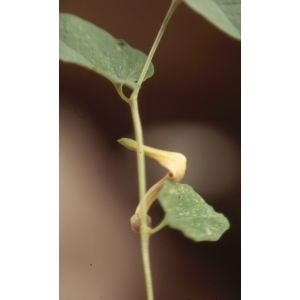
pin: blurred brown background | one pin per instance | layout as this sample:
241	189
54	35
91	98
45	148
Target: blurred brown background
190	105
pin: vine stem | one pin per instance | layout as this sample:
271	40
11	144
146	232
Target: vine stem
160	226
133	102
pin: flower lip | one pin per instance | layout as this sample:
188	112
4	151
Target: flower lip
174	162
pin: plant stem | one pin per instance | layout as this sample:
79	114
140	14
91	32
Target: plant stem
142	191
172	8
140	153
144	230
160	226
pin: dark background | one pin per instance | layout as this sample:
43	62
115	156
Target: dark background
190	105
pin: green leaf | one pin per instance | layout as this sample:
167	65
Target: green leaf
188	212
225	14
87	45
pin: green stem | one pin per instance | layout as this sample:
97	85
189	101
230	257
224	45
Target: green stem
146	263
142	191
160	226
119	88
140	152
144	230
171	10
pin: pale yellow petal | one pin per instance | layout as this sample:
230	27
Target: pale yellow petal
174	162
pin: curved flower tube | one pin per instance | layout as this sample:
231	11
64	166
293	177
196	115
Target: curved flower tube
174	162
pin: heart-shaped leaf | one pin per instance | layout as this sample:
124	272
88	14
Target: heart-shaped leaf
225	14
85	44
188	212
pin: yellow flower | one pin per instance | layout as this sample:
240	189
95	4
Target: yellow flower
174	162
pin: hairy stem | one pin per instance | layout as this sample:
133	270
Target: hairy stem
144	230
